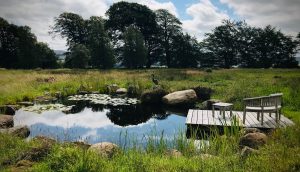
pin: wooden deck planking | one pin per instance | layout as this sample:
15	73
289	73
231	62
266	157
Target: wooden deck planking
205	118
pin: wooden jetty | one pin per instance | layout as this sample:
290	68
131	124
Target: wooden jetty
205	119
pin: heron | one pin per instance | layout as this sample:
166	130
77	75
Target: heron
155	81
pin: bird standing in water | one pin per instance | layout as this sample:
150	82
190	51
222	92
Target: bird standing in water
155	81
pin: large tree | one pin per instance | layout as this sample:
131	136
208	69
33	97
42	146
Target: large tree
135	52
99	44
78	57
121	15
19	48
72	27
169	27
222	43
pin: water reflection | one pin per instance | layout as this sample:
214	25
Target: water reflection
98	123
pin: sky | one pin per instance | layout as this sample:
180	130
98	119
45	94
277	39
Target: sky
197	16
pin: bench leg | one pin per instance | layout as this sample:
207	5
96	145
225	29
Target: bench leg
277	116
213	111
244	116
257	116
262	118
270	114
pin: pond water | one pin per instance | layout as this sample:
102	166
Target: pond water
123	125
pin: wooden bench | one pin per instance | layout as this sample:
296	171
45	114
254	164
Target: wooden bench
271	103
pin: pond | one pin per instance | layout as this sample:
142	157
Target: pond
121	124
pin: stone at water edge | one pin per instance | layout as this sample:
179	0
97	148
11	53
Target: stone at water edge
247	151
6	121
250	130
174	153
26	103
184	97
121	91
253	140
19	131
105	149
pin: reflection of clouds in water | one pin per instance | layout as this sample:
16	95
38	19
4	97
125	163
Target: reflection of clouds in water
87	118
94	127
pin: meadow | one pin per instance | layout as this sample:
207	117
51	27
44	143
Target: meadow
281	153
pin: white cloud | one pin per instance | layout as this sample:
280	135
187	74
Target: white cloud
205	16
39	14
282	14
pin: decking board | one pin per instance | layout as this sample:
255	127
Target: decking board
205	118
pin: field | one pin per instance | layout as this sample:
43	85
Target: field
281	153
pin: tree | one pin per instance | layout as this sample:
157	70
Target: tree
78	57
169	27
185	51
98	42
222	44
121	15
47	57
135	51
72	27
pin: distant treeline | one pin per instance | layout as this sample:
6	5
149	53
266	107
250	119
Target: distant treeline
133	36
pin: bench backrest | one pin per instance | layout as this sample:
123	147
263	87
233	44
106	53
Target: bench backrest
264	101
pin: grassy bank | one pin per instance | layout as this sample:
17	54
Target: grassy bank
281	153
229	85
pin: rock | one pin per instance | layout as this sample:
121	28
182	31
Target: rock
20	131
251	130
121	91
9	109
247	151
207	105
185	97
6	121
58	94
45	140
207	156
174	153
153	96
82	145
105	149
24	163
26	103
253	140
112	88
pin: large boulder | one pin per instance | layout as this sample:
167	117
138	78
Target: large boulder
105	149
6	121
250	130
174	153
121	91
185	97
19	131
153	96
246	151
253	140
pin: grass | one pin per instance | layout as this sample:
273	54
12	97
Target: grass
281	153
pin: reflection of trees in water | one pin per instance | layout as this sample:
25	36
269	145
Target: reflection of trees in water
131	115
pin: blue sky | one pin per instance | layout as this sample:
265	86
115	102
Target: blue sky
197	16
